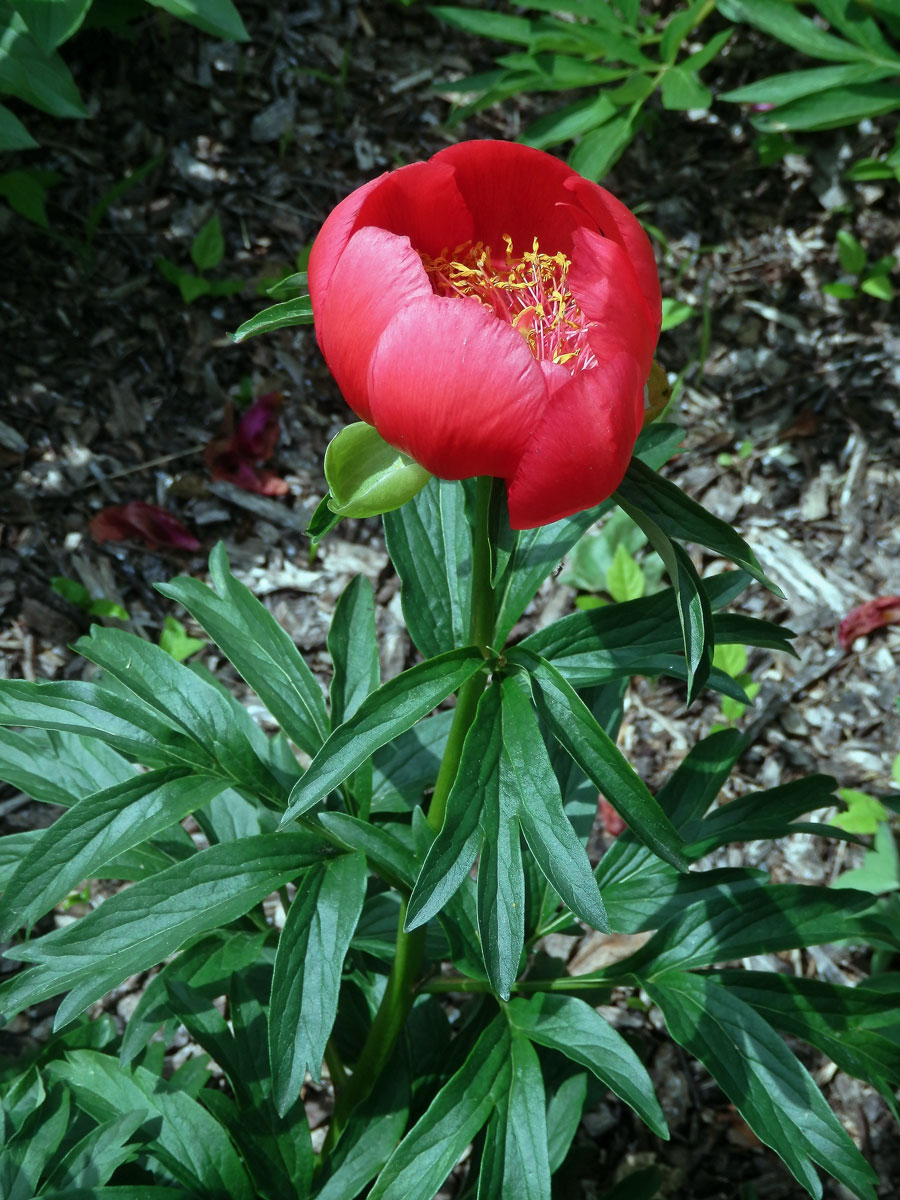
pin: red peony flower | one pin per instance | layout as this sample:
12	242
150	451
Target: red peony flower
491	312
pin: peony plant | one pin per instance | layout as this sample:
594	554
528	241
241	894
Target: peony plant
360	914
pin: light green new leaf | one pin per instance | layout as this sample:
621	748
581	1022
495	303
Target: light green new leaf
307	975
770	1088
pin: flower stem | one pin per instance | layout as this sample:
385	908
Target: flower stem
409	953
481	633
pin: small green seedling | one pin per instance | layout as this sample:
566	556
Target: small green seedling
175	640
880	870
864	812
76	593
207	252
675	312
871	278
867	169
744	451
604	560
733	661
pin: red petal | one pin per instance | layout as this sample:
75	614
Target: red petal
259	428
620	225
377	274
333	237
883	610
513	190
137	519
603	282
422	202
456	388
581	449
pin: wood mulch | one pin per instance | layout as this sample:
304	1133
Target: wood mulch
112	386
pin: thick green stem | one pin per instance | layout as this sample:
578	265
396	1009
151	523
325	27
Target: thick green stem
481	633
410	947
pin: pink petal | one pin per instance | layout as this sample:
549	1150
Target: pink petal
604	283
422	202
455	388
514	190
582	446
377	275
883	610
332	239
620	225
147	521
259	428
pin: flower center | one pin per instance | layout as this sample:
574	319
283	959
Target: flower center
531	293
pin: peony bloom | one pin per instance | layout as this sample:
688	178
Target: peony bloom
491	312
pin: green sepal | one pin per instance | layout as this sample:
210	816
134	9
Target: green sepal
366	475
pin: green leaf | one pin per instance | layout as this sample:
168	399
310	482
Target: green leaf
602	148
405	768
367	1143
278	316
142	925
880	871
206	966
367	476
737	924
219	18
770	1088
93	1159
788	25
222	731
13	134
681	89
680	517
430	544
208	247
391	857
851	254
456	846
59	768
793	85
547	829
298	282
182	1135
422	1161
260	650
827	1016
501	881
95	831
176	641
836	107
576	730
353	648
569	122
127	725
624	578
307	975
391	710
526	1166
33	75
26	193
675	313
840	291
878	286
564	1111
497	26
570	1026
